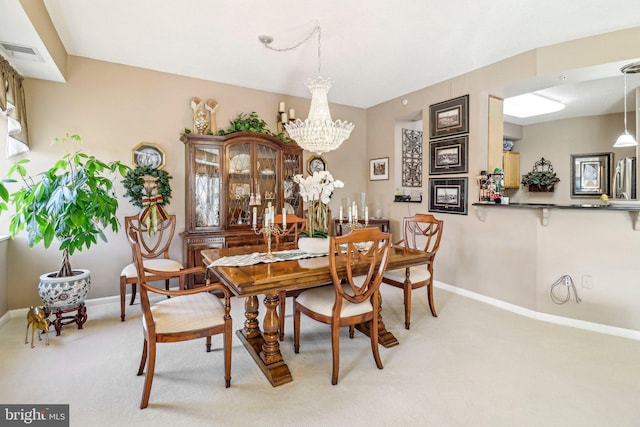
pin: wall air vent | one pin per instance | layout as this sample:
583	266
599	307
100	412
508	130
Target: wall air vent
21	52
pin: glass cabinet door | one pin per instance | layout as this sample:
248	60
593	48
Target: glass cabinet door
240	184
292	166
266	185
207	186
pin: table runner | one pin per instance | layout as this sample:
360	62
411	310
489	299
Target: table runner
261	257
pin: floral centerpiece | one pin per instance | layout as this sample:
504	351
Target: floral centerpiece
316	191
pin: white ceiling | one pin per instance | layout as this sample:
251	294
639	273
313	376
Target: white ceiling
375	50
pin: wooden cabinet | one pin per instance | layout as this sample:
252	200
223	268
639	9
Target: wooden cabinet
226	177
511	169
344	228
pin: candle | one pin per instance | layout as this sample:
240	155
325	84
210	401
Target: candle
284	217
255	216
281	107
340	213
366	214
355	213
292	114
283	118
350	218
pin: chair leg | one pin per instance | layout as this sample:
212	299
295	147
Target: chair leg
352	330
227	355
208	343
134	287
123	291
432	305
335	350
407	305
296	328
373	327
166	286
143	359
148	380
283	305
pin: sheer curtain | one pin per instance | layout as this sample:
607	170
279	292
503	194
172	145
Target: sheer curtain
12	106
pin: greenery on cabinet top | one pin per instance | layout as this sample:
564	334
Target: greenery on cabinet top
249	123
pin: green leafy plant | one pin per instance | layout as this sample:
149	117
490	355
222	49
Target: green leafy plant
134	184
72	202
540	178
251	123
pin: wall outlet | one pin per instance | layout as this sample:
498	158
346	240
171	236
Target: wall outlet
587	282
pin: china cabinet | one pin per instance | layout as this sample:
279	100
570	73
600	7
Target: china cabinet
226	178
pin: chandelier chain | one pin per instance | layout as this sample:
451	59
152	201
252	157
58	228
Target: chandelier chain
297	45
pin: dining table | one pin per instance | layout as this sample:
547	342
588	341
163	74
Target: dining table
248	273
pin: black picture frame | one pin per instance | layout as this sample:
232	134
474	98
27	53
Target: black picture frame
591	174
449	117
449	155
448	195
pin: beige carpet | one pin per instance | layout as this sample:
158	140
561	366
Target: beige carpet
474	365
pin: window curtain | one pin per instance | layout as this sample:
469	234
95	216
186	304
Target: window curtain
12	106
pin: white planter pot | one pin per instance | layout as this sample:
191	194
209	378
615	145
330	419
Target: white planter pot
313	245
64	293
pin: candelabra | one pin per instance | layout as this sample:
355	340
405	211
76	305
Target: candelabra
268	230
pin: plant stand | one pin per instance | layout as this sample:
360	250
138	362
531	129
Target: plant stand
80	317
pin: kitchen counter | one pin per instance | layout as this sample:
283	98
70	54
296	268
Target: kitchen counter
631	206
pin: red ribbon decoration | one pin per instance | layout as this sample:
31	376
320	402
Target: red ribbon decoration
153	209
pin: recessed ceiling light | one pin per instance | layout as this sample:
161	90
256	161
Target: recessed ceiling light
529	105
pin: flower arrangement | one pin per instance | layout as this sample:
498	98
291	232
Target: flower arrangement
316	190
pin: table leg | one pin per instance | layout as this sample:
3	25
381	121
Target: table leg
385	338
264	347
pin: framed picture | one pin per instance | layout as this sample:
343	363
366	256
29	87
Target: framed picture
448	155
449	117
448	195
590	174
316	164
148	154
379	169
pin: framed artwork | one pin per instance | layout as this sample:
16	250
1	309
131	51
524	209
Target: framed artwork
449	117
448	195
148	154
379	169
590	174
448	155
316	164
411	158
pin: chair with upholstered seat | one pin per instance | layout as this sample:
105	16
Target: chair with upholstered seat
189	314
155	254
423	232
357	262
287	237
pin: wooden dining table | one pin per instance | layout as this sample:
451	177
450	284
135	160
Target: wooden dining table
269	279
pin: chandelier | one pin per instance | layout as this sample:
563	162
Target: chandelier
318	133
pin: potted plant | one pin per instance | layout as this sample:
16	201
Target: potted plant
541	178
316	191
72	202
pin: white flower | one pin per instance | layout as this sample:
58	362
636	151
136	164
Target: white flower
318	186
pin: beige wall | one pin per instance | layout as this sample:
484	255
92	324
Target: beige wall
506	253
115	107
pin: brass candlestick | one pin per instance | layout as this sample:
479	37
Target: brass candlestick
268	231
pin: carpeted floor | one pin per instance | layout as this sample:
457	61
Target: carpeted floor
474	365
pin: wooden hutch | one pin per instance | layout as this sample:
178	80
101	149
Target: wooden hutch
223	175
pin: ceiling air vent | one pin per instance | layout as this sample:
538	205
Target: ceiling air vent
17	51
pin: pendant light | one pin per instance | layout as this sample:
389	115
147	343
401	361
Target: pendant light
626	139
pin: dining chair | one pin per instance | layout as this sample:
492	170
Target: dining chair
357	262
155	254
286	236
423	232
189	314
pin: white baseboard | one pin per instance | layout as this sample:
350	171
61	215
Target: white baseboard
574	323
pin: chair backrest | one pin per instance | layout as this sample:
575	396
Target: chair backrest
153	245
423	232
291	232
364	253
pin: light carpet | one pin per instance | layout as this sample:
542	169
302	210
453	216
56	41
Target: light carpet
474	365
